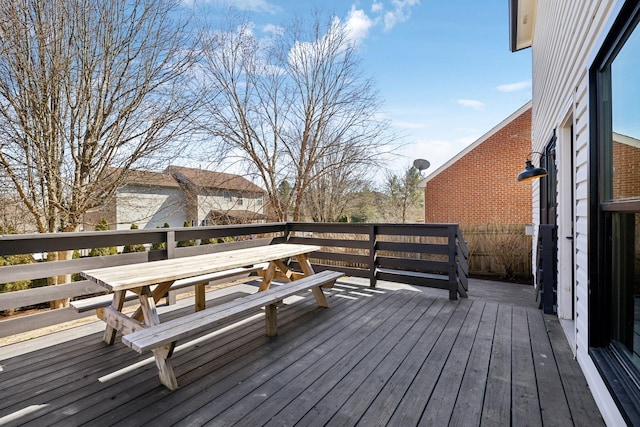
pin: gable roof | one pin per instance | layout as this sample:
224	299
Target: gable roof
209	179
156	179
476	143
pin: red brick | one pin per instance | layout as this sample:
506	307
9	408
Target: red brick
481	187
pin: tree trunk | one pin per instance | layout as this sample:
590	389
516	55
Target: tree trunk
64	278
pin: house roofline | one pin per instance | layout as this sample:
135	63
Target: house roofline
476	143
522	16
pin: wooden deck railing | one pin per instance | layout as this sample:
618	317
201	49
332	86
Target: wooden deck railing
433	255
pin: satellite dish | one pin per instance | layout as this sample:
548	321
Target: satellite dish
421	164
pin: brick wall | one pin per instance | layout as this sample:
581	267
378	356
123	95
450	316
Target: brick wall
481	187
626	175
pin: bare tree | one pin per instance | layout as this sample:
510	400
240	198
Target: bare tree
331	196
297	108
403	194
88	89
244	102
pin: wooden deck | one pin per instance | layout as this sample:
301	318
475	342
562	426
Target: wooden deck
395	355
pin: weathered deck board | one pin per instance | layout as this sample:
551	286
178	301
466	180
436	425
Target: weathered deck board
526	406
380	373
193	365
323	397
389	356
573	381
553	404
497	402
468	407
210	384
316	373
441	403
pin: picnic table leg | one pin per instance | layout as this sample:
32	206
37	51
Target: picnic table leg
305	265
117	303
201	302
165	370
157	295
270	317
321	299
161	354
307	268
268	276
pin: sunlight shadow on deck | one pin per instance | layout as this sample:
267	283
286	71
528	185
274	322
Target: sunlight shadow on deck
187	345
399	354
31	409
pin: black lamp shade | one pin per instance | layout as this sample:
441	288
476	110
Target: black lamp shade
531	172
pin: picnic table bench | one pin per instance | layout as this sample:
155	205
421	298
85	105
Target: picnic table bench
149	282
161	337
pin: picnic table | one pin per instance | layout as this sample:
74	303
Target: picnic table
150	281
138	278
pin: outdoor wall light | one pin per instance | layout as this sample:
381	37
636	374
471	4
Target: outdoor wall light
530	171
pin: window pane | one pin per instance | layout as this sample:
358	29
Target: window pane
625	102
626	284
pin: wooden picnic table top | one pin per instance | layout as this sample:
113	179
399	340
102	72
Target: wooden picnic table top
142	274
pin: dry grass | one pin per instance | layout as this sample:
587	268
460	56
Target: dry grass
498	249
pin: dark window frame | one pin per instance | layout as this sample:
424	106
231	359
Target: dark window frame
622	379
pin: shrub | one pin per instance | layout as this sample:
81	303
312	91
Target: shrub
138	247
184	243
509	247
161	246
19	285
103	225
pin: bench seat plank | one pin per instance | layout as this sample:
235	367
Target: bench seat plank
191	324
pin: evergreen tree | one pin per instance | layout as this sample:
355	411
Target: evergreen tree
404	194
184	243
160	246
138	247
103	225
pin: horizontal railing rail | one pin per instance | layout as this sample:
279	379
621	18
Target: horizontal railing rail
433	255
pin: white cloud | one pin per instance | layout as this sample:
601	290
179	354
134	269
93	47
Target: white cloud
377	7
514	87
467	130
472	103
466	140
401	12
246	5
403	124
436	151
273	29
358	24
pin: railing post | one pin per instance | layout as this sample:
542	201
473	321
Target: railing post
287	232
170	244
373	255
462	263
547	249
453	281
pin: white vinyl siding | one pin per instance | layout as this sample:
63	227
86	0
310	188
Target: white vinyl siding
226	201
149	207
566	38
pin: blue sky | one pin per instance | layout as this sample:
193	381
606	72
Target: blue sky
443	67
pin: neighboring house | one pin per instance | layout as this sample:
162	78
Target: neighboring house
476	187
586	123
219	198
179	195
